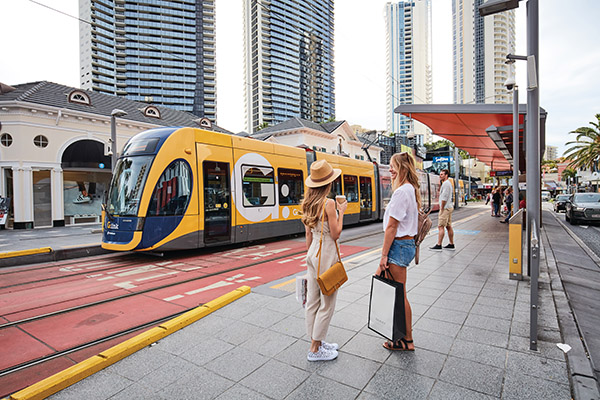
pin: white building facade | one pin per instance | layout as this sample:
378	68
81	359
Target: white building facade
480	45
408	64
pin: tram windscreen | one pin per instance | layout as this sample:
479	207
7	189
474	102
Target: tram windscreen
127	184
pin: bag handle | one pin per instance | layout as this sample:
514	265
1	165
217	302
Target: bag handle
321	242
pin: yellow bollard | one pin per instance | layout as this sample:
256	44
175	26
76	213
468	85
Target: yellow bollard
515	246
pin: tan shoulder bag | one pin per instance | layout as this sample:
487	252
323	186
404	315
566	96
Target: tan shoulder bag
335	276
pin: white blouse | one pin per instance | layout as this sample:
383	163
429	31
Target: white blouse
403	208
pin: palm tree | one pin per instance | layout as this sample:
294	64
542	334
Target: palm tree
585	154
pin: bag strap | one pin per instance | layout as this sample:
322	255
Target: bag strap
321	242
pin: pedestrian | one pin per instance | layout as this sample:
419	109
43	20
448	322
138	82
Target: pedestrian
400	224
445	216
487	198
496	197
316	206
509	201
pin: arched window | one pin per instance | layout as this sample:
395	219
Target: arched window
204	122
78	96
173	191
40	141
6	139
152	112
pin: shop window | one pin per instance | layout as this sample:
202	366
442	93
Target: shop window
291	186
258	186
173	191
40	141
78	96
6	139
351	188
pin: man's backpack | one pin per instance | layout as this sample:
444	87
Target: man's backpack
424	225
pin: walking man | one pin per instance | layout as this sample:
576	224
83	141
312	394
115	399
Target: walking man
445	216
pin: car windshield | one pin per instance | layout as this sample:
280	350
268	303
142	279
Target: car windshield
587	197
127	184
562	197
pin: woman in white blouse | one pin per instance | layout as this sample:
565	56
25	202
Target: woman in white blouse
400	224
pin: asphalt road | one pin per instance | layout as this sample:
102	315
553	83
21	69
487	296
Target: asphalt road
589	234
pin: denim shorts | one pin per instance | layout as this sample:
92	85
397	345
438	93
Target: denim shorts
402	252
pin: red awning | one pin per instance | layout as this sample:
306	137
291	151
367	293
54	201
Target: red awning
465	125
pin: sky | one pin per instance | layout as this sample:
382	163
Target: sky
41	44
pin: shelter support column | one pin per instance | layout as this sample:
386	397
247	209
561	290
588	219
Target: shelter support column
58	208
23	197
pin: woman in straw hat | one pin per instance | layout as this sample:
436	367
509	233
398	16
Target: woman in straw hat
400	224
319	308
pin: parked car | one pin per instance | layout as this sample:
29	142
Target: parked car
583	207
545	195
560	202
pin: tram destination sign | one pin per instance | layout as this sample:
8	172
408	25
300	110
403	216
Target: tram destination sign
501	173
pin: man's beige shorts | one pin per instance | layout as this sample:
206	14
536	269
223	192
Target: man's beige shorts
445	218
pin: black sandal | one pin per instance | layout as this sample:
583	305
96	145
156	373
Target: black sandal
400	345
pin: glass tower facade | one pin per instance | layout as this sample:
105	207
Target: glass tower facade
288	59
156	51
408	64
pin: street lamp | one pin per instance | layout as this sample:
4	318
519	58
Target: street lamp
512	85
113	136
497	6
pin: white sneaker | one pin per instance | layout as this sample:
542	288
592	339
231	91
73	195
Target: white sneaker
322	355
329	346
82	199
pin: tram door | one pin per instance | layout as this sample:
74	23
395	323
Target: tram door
217	202
366	198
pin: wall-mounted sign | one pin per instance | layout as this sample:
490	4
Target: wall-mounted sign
439	159
501	173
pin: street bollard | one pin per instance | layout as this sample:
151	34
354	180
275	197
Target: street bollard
515	246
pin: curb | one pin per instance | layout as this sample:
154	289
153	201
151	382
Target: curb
77	372
579	364
47	254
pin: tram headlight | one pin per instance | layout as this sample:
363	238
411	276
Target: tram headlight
140	224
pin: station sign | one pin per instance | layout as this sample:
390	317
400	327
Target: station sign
501	173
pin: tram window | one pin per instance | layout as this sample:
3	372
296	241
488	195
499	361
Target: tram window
351	188
258	185
291	186
366	194
336	187
173	191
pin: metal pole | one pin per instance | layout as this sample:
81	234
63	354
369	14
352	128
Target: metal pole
113	142
456	186
533	162
516	149
469	192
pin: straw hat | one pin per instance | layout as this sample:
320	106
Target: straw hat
321	173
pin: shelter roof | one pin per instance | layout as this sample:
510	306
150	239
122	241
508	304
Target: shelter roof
482	130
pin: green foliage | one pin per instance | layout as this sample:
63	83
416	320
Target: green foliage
568	173
445	143
585	152
262	126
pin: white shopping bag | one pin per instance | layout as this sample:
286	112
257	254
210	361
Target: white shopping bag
301	289
386	308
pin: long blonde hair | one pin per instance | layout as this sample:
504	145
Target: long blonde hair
312	204
404	164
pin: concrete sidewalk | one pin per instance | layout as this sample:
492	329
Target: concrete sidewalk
471	328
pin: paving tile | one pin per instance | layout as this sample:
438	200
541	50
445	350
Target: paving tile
295	355
236	363
489	323
239	392
184	339
349	320
132	392
491	311
442	314
264	317
432	341
275	379
239	332
446	391
541	367
367	346
100	385
348	296
393	383
518	386
421	361
316	387
491	301
350	370
436	326
141	363
471	375
478	352
203	384
464	287
421	299
545	349
286	305
268	343
444	302
291	326
169	373
484	336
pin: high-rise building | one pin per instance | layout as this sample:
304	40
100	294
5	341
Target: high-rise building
551	153
480	45
408	64
288	59
161	52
